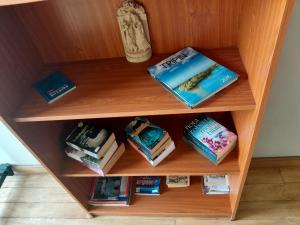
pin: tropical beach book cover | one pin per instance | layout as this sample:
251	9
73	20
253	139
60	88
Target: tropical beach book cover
191	76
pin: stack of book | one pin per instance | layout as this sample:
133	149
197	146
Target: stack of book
151	141
111	191
215	185
147	185
178	181
210	138
94	147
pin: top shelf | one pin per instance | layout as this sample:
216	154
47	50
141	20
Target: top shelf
115	88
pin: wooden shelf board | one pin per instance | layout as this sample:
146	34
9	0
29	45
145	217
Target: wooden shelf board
187	201
183	161
17	2
115	88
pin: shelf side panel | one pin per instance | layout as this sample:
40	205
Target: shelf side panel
262	28
20	65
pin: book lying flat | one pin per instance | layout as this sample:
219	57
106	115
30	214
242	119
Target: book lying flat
90	139
167	151
191	76
210	138
54	86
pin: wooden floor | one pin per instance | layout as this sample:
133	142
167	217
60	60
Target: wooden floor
271	196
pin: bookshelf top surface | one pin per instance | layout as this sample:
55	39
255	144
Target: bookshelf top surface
116	88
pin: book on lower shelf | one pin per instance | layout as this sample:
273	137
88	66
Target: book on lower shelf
147	185
191	76
216	185
86	149
111	191
210	138
149	140
177	181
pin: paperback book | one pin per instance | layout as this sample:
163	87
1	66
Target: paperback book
191	76
210	138
111	191
178	181
216	185
147	185
146	135
54	86
90	139
151	141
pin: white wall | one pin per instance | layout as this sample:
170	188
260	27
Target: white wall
279	135
12	151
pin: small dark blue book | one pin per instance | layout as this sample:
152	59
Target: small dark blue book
54	86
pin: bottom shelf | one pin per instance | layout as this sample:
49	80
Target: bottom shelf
187	201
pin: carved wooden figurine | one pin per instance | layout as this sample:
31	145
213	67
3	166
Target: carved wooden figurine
134	31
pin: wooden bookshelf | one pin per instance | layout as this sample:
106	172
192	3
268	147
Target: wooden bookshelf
173	202
83	41
115	88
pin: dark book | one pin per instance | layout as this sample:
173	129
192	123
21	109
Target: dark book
90	139
111	191
54	86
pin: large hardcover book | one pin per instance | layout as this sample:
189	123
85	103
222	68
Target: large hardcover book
210	138
90	139
147	136
54	86
191	76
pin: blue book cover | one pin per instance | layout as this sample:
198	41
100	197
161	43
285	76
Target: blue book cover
214	140
54	86
148	185
191	76
147	136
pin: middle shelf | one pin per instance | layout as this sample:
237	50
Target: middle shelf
183	161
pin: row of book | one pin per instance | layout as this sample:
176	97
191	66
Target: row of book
118	191
98	149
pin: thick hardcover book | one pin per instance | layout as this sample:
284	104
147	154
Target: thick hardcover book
147	136
191	76
93	140
210	138
147	185
54	86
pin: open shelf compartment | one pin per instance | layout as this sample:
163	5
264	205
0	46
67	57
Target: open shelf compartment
184	160
115	88
187	201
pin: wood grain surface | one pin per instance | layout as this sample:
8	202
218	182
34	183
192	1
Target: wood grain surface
116	88
72	30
